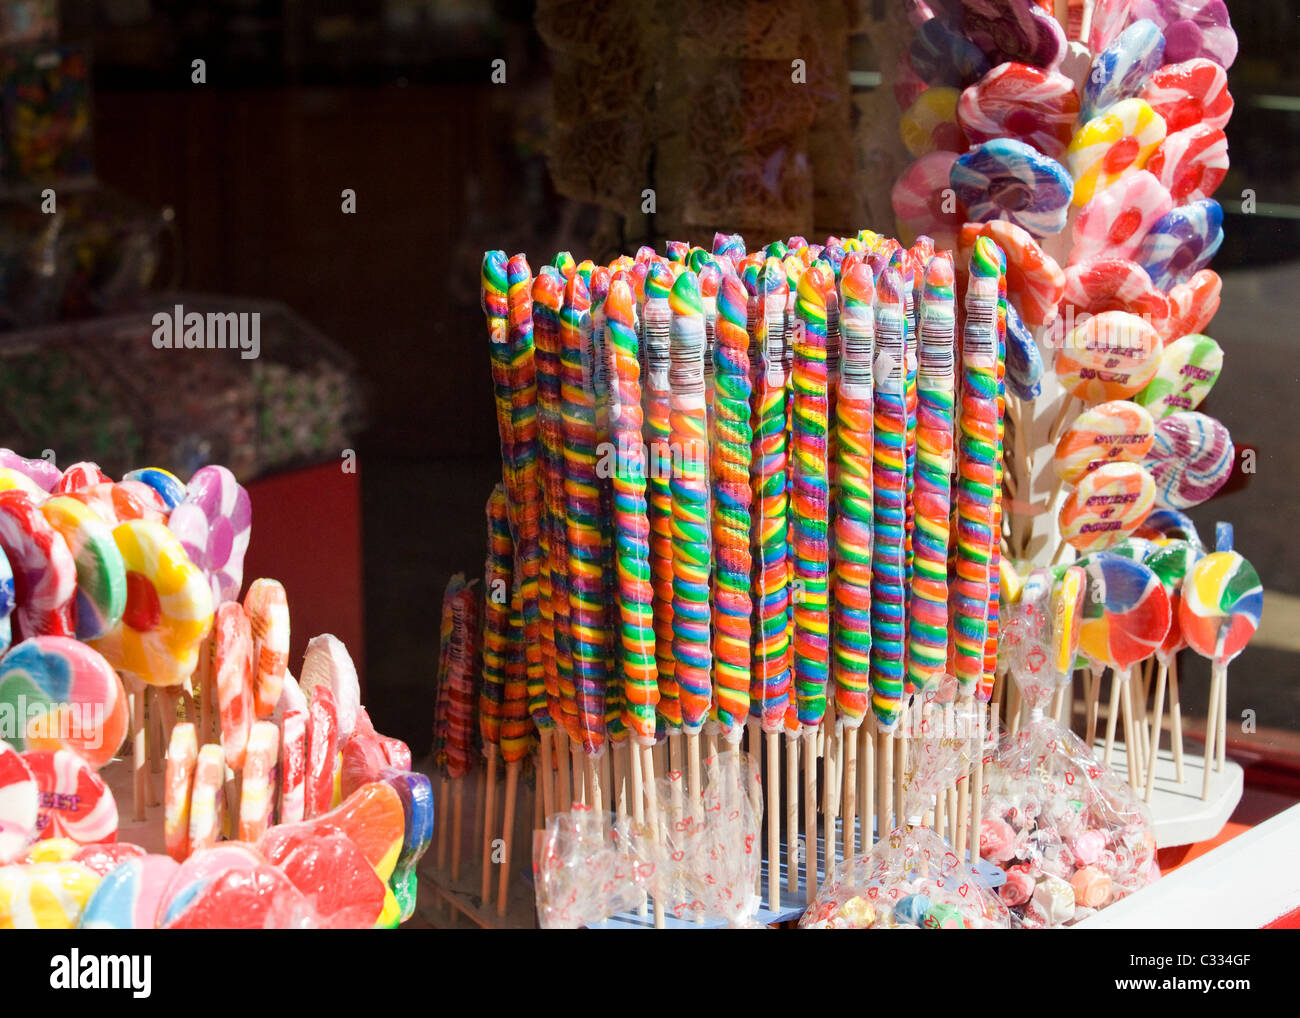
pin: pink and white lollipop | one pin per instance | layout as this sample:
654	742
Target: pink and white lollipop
1019	101
45	573
18	804
80	476
75	802
1114	284
213	525
1114	222
1193	92
1192	162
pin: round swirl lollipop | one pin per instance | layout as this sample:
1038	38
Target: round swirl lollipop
67	696
166	484
1024	361
168	607
1114	284
1193	92
941	56
101	575
1018	30
1125	614
1109	356
1117	219
1188	369
1107	506
1191	163
18	799
1182	242
1192	28
1120	70
930	123
918	200
1007	179
1221	606
1171	562
75	801
1169	524
43	472
213	525
1118	431
1115	142
1190	459
45	575
80	476
1018	101
1035	282
1192	305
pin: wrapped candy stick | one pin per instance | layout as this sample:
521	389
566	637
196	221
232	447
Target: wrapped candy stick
495	301
995	553
497	588
976	470
901	260
851	582
582	519
770	688
690	545
927	636
656	330
729	446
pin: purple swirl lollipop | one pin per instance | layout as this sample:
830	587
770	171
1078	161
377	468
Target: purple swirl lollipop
213	525
1192	28
1122	68
1007	179
1190	459
1181	243
43	472
1016	30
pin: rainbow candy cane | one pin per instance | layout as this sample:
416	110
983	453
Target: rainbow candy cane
976	470
690	495
853	494
927	635
889	522
631	527
769	690
729	447
811	499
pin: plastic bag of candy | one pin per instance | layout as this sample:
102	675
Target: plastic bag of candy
709	864
586	868
1071	836
912	877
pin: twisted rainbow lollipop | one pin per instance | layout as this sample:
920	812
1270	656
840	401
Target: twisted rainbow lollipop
927	634
632	529
769	689
995	553
496	616
730	450
690	493
853	493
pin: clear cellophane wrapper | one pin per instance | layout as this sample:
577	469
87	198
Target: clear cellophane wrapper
911	877
710	857
588	866
1070	834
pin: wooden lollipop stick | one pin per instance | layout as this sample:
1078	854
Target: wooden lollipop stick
1161	674
508	833
539	806
564	781
636	797
651	802
773	782
578	766
619	754
792	844
1176	719
867	786
828	800
900	772
963	813
1211	724
850	742
810	814
546	775
885	796
676	768
1132	751
458	796
489	823
604	779
694	785
595	794
444	828
1112	718
1094	695
139	750
1222	757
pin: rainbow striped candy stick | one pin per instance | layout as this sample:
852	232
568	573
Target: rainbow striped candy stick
769	690
729	447
995	557
811	499
853	495
901	260
690	494
889	521
582	519
976	470
548	296
677	251
710	277
657	331
927	634
631	526
794	270
516	736
523	482
564	263
833	356
493	292
496	616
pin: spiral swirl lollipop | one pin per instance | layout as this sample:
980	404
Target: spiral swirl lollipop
810	498
995	557
1018	101
690	493
976	469
496	617
928	610
1190	459
493	294
853	497
1120	70
632	528
656	330
902	261
730	443
1220	611
1190	93
1119	139
889	507
1181	243
770	688
582	516
548	297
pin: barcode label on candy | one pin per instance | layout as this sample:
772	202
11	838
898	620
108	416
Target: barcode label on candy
936	357
657	346
834	340
710	333
775	347
686	359
980	336
858	342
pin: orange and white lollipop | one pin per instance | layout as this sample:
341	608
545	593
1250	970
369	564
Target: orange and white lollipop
1109	356
1108	505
